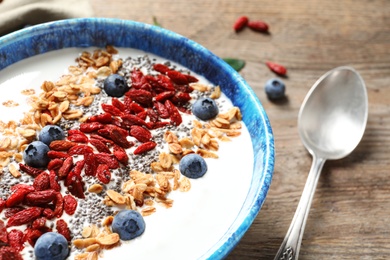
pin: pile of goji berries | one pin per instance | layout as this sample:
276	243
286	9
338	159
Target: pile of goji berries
153	101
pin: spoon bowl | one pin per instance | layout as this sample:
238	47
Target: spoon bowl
334	113
331	123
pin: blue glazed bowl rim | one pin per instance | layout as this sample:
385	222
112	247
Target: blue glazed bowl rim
98	32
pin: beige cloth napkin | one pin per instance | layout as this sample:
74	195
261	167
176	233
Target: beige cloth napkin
15	14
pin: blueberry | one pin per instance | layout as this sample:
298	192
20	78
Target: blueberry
51	246
50	133
205	108
35	154
128	224
275	88
193	166
115	85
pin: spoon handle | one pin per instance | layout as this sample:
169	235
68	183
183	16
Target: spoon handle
289	250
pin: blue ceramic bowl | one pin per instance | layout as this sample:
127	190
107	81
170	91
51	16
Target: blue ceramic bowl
99	32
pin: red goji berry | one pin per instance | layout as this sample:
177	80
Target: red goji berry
117	136
181	98
191	79
121	155
100	146
90	127
62	228
24	216
32	171
159	124
70	204
161	97
135	108
277	68
107	159
65	168
58	205
118	104
75	185
129	120
56	154
41	182
39	223
153	116
240	23
104	118
38	198
78	138
258	25
32	235
78	167
9	212
138	80
55	164
111	110
90	164
9	253
16	198
177	77
103	173
142	115
22	186
3	234
141	134
173	113
61	145
102	139
75	132
141	96
15	239
163	69
80	150
54	185
161	110
48	213
145	147
164	83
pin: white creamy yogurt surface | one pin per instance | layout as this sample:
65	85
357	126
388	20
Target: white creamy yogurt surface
199	218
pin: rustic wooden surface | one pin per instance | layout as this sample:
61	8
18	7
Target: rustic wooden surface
349	218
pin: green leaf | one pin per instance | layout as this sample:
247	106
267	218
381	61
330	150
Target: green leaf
155	22
236	64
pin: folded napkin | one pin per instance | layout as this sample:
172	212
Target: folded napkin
15	14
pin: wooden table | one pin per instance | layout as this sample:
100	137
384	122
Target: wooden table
349	218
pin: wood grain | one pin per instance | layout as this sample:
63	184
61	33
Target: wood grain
349	218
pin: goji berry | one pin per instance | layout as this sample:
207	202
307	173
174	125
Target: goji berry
61	145
78	167
56	154
65	168
104	118
141	134
277	68
117	136
177	77
138	80
100	146
258	25
164	83
103	173
181	98
15	239
107	159
145	147
118	104
40	197
111	110
55	164
191	79
80	149
22	186
141	96
163	69
39	223
161	110
240	23
3	234
161	97
32	171
53	181
102	139
153	116
135	108
159	124
90	127
32	235
173	113
142	115
48	213
24	216
9	253
129	120
75	185
70	204
41	182
78	138
16	198
121	155
90	164
62	228
58	205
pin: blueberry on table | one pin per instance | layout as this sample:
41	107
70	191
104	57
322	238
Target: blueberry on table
275	88
35	154
193	166
205	108
50	133
115	85
128	224
51	246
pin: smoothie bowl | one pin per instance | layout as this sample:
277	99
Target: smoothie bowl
120	139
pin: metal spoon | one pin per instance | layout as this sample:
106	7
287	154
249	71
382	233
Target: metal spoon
331	123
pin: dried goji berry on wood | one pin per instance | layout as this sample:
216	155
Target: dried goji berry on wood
240	23
62	228
41	182
24	216
70	204
258	25
103	173
277	68
145	147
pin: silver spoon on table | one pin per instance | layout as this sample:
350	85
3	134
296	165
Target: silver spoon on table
331	123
